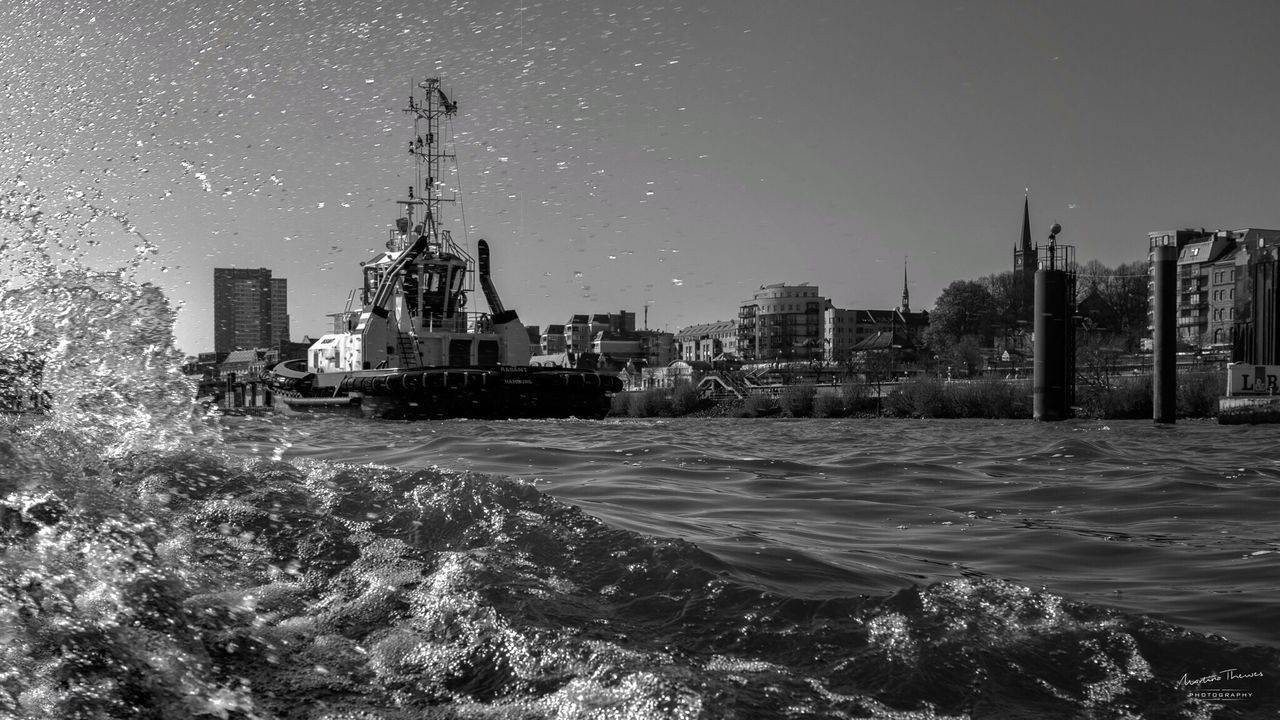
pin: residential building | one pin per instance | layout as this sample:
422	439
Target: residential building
279	311
707	341
847	331
1257	328
250	309
1222	299
552	340
653	348
841	330
581	330
1196	261
611	335
782	323
1226	289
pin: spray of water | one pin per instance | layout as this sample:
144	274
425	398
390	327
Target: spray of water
94	345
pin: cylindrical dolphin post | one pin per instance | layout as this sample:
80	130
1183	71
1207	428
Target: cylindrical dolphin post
1050	368
1164	355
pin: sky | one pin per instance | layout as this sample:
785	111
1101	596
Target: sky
672	157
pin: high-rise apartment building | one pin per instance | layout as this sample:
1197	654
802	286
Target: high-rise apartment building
279	311
782	322
250	309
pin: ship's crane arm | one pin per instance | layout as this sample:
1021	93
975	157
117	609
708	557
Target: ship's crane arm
486	282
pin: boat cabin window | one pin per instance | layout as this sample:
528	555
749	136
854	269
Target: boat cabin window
439	289
411	294
372	278
458	277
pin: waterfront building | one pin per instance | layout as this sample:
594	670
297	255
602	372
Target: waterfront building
705	342
552	341
849	331
843	330
846	331
1256	337
1226	290
279	311
1196	260
248	363
577	334
652	348
611	335
782	323
581	330
1222	299
250	309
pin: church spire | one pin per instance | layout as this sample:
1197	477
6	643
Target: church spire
906	295
1025	246
1024	265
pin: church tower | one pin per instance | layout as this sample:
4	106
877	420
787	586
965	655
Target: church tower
906	296
1024	266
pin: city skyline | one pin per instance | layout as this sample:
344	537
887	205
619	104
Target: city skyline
650	156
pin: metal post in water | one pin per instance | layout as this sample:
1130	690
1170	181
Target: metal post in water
1164	355
1051	323
1050	344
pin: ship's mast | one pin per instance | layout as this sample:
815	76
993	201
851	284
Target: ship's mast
428	149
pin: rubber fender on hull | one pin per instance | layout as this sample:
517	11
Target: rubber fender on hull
464	379
321	402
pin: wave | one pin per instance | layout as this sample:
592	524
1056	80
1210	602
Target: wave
199	582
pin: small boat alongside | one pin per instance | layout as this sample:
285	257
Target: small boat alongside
413	350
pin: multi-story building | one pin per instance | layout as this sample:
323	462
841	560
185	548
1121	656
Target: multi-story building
250	309
650	347
577	334
1222	299
1196	260
850	330
782	323
1257	310
707	341
613	335
279	312
842	329
1222	288
552	340
581	330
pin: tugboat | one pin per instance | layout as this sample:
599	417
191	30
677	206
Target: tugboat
413	350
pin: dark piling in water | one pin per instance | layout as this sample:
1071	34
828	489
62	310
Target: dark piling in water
1053	371
1164	356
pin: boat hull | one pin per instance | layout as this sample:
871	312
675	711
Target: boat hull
446	392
